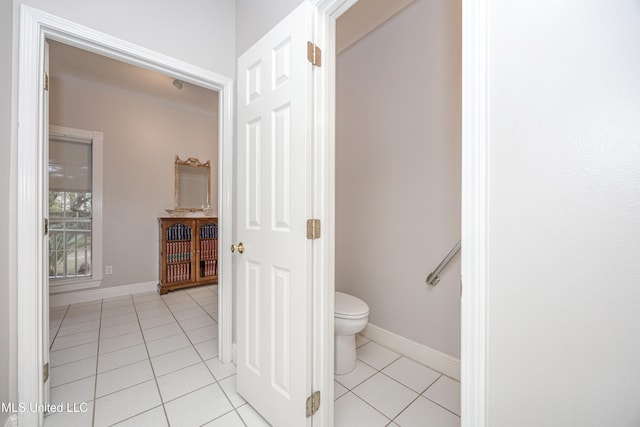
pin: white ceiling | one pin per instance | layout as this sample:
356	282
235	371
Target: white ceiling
67	62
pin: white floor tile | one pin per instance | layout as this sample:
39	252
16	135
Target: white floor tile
149	305
73	340
445	392
116	301
167	345
361	340
251	417
126	403
338	390
231	419
124	377
355	377
211	309
118	343
78	327
375	355
118	330
182	305
152	418
73	371
146	296
205	333
184	381
118	320
160	332
175	360
189	313
58	312
71	319
229	387
385	394
120	358
423	412
153	322
82	418
412	374
117	312
208	299
221	370
73	354
76	392
84	308
207	349
153	312
198	322
351	411
198	408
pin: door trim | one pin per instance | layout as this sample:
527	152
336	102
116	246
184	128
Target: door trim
475	215
474	227
28	166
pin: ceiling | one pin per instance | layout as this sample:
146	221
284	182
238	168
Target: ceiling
67	62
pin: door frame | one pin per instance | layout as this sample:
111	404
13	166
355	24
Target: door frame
28	166
474	194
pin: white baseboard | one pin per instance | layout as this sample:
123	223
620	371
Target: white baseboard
441	362
12	421
100	293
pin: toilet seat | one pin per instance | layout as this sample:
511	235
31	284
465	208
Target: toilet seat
349	307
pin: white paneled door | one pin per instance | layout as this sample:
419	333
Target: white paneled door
274	201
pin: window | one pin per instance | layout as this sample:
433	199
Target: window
75	219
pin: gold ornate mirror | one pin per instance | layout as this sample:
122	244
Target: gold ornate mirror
192	185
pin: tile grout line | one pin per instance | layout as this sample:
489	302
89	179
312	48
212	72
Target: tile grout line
441	375
202	359
59	326
95	383
217	380
155	379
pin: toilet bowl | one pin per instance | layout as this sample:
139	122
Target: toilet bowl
351	317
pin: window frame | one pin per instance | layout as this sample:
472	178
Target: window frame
95	280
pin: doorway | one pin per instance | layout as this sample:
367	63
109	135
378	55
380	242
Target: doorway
29	167
398	187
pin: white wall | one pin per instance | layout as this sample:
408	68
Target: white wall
199	32
255	18
564	213
142	136
7	305
398	172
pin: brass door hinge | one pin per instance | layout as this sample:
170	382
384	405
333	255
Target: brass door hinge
313	403
314	54
46	226
46	81
313	229
45	373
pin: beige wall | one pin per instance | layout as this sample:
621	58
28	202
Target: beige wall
564	213
398	172
142	136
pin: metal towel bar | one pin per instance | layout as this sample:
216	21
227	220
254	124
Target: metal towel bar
434	277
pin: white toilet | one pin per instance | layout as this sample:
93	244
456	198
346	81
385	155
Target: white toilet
351	317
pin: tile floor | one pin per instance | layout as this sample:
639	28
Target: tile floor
147	360
143	360
387	389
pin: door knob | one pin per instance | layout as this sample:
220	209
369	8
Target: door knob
239	248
